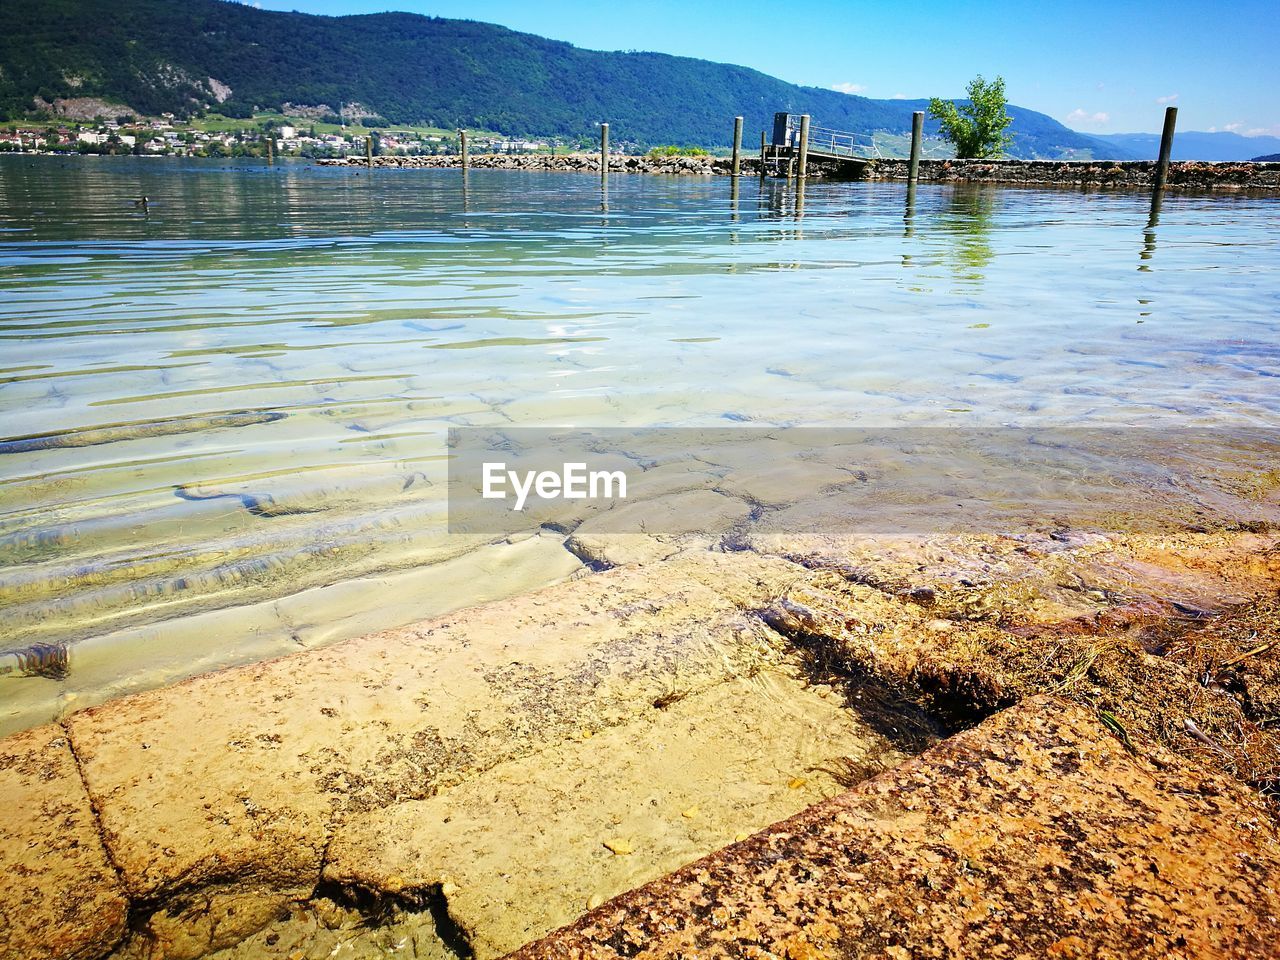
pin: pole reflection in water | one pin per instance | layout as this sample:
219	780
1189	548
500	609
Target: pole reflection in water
909	222
1149	234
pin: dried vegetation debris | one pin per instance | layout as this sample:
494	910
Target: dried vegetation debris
1174	640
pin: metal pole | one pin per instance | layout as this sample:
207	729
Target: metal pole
1166	146
737	145
462	137
804	145
917	134
604	150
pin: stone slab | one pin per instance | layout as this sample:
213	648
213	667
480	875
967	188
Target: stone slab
526	846
238	776
60	897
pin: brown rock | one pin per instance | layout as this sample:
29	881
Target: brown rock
1034	834
60	897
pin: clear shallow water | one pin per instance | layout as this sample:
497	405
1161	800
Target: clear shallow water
248	384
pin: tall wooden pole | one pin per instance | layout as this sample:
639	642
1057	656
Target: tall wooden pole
1166	146
271	152
462	140
762	154
737	145
604	150
368	149
917	134
804	145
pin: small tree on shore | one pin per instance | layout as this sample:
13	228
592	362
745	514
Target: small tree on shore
977	128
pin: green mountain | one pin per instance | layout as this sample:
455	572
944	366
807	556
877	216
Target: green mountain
190	56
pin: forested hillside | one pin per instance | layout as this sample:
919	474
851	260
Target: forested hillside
190	56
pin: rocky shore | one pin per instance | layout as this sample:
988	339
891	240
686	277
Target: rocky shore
463	786
561	163
1184	175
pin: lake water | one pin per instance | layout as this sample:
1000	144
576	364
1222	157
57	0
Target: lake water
224	415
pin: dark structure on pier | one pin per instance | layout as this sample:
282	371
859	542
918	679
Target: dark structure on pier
795	140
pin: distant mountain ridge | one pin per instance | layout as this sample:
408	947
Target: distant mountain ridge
1195	145
190	56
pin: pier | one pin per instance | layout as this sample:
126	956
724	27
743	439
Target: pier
795	142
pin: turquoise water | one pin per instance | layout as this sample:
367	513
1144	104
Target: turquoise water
241	391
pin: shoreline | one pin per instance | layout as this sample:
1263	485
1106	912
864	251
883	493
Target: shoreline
1114	174
311	778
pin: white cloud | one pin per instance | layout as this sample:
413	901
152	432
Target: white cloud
1171	98
1263	131
1079	116
848	87
898	96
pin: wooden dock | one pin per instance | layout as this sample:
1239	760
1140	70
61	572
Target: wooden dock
795	141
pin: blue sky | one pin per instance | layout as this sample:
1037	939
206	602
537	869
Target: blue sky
1100	66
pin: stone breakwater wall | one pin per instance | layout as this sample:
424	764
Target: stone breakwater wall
563	163
1187	175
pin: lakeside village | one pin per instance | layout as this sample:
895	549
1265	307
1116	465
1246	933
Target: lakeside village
173	137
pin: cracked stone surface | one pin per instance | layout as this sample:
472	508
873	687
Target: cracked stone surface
1034	834
238	776
61	897
218	798
525	847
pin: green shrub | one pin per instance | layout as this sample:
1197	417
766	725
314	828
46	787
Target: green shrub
976	127
673	151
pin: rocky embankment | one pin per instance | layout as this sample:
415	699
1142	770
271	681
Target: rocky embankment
1183	175
562	163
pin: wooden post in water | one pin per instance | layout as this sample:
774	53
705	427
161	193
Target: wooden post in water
604	150
917	134
271	152
1166	146
763	148
737	145
368	149
804	145
462	140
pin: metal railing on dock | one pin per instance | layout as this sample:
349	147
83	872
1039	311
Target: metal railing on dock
828	141
839	143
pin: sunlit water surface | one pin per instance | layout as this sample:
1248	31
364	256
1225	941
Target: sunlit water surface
238	395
